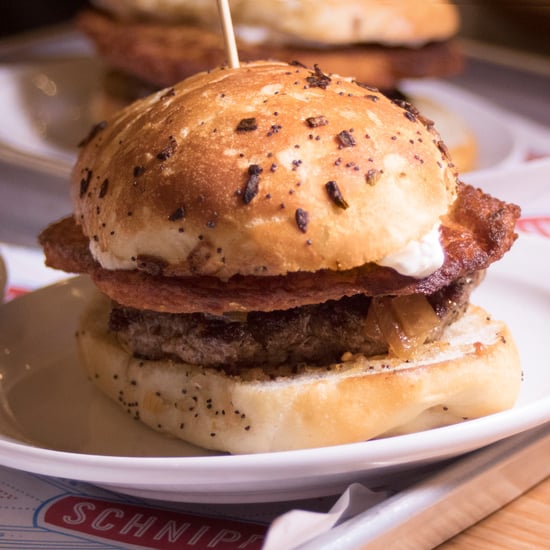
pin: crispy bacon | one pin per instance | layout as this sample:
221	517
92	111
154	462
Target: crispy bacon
478	230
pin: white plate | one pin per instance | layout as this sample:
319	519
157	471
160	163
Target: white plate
47	108
53	422
48	104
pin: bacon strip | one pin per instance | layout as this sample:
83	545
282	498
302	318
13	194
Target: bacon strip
478	231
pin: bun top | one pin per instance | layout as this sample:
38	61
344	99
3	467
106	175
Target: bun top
399	22
262	170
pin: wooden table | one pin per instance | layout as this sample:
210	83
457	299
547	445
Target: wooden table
523	523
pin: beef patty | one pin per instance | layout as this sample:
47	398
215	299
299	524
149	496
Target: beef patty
314	334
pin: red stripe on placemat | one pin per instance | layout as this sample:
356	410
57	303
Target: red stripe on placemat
538	225
15	291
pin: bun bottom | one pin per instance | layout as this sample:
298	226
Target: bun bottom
472	372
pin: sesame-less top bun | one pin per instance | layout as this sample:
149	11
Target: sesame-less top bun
399	22
266	169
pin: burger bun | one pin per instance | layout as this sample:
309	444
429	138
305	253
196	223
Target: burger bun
346	178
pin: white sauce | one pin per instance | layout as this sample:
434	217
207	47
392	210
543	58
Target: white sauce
108	260
417	259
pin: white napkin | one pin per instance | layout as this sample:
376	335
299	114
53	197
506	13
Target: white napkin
299	526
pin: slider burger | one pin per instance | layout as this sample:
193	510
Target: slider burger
284	260
378	42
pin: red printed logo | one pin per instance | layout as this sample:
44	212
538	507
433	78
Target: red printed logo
143	527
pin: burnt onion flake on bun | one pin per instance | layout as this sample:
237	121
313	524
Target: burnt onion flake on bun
284	260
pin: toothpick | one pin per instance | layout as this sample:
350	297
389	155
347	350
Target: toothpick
228	34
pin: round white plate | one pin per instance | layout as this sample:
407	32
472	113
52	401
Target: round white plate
53	421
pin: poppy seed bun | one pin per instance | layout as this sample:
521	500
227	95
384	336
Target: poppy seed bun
472	371
266	169
329	22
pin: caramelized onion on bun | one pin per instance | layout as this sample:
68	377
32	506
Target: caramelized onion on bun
284	259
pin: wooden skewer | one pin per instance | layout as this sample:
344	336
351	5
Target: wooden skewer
228	34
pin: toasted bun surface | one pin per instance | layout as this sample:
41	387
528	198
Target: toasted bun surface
264	170
473	371
328	22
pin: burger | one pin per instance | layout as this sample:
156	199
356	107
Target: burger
153	44
283	259
163	41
